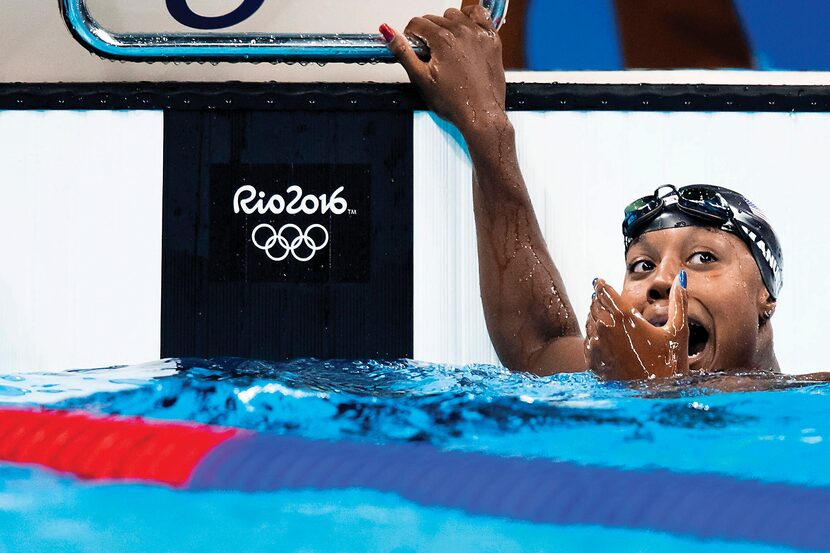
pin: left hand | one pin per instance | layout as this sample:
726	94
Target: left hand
622	345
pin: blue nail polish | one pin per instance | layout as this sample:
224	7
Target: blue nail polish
594	296
683	278
594	282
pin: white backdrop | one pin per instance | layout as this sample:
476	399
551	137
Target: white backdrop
80	235
594	163
80	222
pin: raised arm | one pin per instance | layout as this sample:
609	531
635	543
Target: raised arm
529	318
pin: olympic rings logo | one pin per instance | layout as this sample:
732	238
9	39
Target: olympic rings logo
303	242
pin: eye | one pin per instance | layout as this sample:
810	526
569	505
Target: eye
702	258
641	266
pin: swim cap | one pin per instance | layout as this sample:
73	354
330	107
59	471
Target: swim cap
705	205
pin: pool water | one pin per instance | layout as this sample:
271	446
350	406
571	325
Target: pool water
690	426
41	512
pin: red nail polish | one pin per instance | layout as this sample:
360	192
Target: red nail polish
387	32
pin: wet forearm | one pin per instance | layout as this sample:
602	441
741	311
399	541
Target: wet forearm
463	82
524	299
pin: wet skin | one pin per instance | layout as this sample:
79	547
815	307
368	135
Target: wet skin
529	317
727	309
622	344
727	297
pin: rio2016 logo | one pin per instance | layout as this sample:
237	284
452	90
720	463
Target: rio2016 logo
290	239
181	12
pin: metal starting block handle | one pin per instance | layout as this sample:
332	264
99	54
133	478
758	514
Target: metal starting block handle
236	47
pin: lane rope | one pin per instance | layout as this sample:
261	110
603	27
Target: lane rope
201	457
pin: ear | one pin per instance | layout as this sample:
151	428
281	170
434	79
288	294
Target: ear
766	306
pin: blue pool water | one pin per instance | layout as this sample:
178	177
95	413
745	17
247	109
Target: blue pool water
778	435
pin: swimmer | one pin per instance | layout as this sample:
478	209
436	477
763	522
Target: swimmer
703	265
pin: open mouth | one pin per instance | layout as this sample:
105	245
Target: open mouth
698	338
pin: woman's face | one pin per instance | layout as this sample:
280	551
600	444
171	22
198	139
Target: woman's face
727	298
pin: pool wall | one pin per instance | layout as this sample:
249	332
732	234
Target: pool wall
135	231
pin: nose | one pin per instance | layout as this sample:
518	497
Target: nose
662	279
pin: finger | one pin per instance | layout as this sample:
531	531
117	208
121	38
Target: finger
586	351
599	314
591	339
608	297
432	34
679	305
403	52
454	14
423	28
442	22
589	350
479	15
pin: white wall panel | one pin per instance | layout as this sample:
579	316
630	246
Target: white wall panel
582	168
448	322
80	236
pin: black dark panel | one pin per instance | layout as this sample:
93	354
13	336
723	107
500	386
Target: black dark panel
224	96
361	97
349	296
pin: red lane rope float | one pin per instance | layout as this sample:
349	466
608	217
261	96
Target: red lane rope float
94	447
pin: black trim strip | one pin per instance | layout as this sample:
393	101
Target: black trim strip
403	97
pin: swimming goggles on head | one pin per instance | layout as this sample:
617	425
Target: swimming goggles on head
702	201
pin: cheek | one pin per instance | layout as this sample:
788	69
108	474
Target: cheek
633	293
734	310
